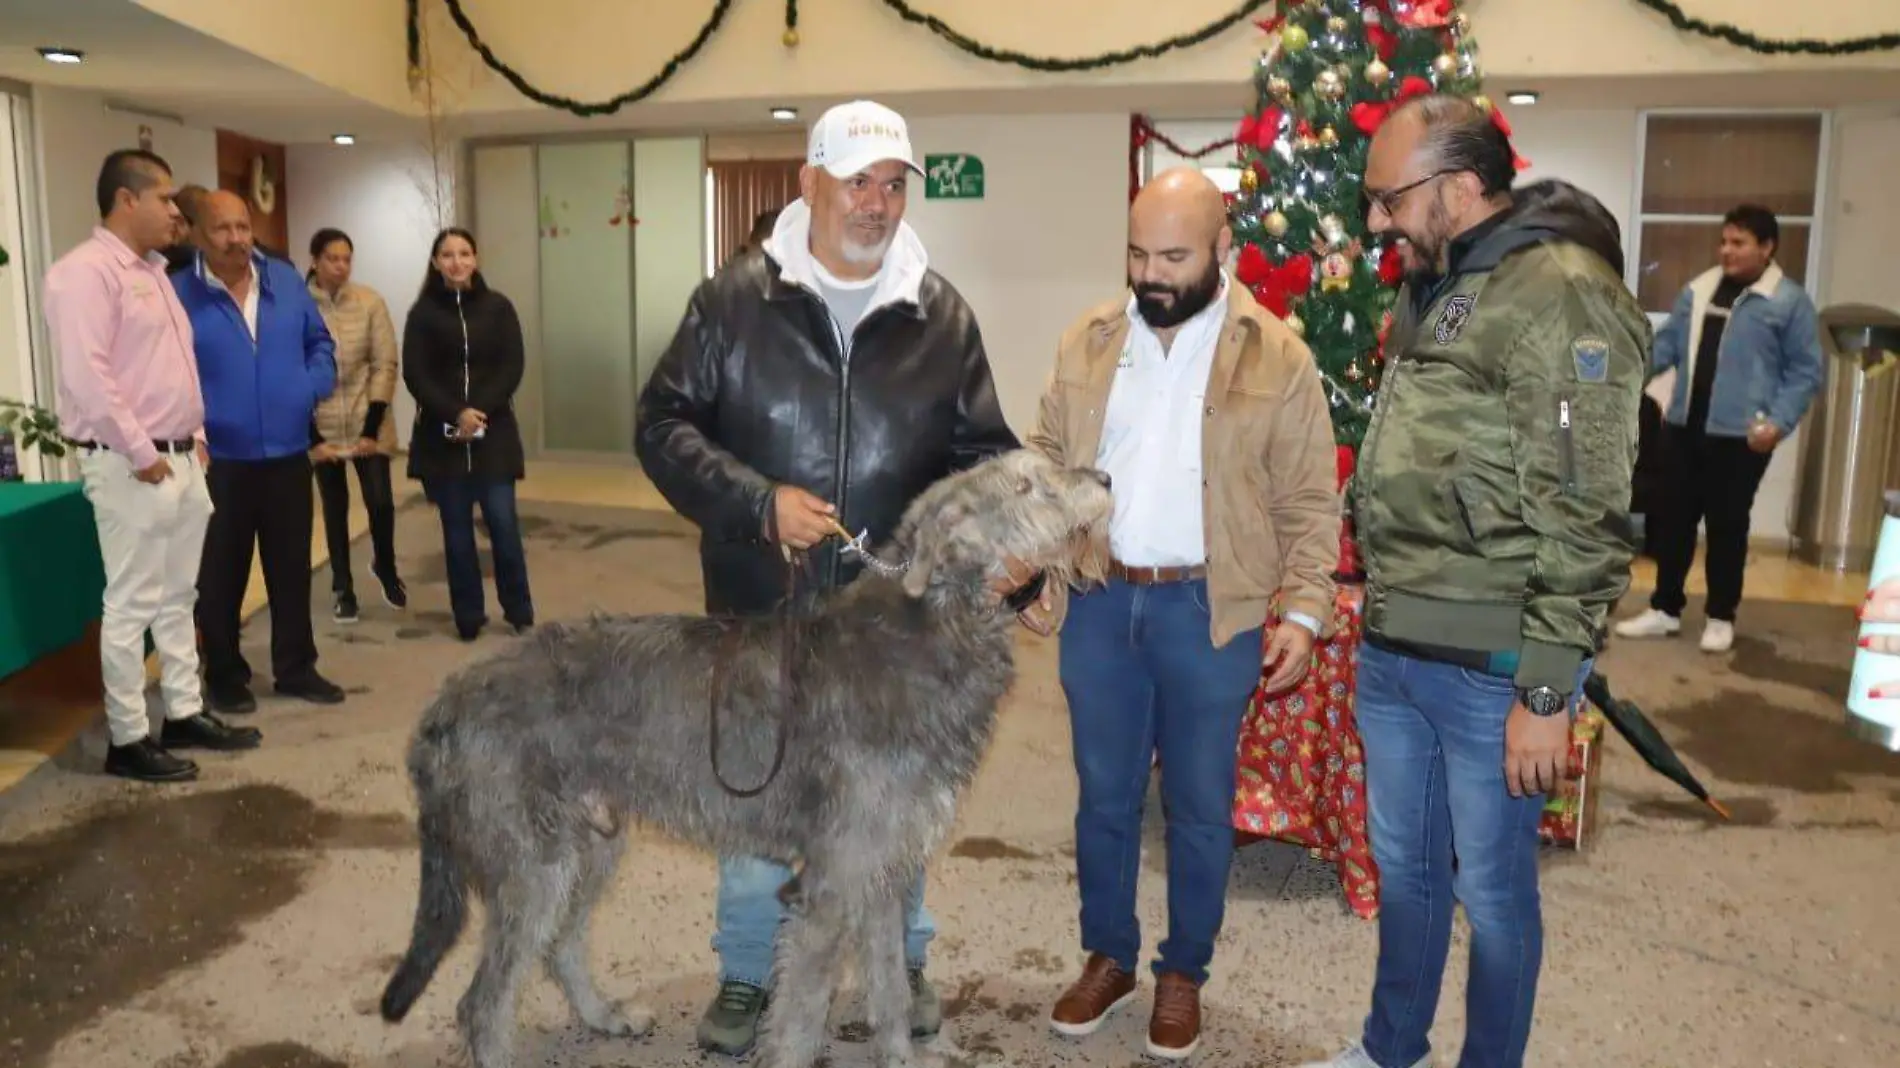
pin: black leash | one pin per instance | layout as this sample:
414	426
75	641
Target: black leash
722	668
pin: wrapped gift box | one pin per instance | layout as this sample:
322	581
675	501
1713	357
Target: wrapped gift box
1570	815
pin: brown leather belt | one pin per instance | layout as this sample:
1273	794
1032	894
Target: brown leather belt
1155	576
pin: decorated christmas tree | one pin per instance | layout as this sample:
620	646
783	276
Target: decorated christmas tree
1334	71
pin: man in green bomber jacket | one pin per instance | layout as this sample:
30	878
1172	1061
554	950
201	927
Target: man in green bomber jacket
1491	503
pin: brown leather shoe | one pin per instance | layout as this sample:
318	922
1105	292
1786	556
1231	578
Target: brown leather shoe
1174	1031
1102	989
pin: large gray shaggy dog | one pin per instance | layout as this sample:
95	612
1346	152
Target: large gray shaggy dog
528	767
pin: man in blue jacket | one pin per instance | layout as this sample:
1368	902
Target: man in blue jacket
1745	344
264	361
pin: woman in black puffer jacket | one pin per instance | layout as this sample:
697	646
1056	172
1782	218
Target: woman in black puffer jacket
462	361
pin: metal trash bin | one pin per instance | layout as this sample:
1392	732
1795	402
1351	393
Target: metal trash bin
1850	451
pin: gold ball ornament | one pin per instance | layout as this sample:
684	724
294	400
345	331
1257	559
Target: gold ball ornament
1295	38
1249	180
1329	85
1336	25
790	38
1329	137
1461	24
1279	88
1294	323
1482	103
1377	73
1445	65
1276	224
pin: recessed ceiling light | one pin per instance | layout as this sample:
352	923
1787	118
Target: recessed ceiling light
1521	98
62	55
785	114
342	139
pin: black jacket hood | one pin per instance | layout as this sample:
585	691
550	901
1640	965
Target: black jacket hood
1551	210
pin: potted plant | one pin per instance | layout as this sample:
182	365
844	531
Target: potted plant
30	426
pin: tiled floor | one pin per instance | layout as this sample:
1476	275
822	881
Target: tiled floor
36	726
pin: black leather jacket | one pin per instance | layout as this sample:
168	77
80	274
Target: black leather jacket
754	392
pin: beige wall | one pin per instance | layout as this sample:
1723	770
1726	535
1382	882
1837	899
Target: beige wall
76	131
591	50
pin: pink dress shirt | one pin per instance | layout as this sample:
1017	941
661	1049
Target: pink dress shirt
127	377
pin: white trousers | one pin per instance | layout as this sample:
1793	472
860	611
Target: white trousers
151	538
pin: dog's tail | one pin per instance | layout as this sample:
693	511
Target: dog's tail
441	913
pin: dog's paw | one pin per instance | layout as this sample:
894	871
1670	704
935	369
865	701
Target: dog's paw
624	1021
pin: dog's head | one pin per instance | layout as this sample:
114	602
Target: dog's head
1021	504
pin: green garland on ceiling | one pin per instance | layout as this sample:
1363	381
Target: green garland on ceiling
1677	17
1770	46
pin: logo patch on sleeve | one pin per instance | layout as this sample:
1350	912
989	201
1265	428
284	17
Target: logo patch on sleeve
1451	321
1592	357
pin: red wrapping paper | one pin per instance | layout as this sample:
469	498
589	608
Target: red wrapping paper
1302	771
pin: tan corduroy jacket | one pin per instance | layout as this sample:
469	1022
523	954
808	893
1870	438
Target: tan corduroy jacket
366	367
1270	497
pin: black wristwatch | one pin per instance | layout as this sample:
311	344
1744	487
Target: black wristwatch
1544	701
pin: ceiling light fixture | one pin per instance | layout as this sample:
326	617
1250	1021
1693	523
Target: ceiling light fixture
62	55
1522	98
785	114
342	139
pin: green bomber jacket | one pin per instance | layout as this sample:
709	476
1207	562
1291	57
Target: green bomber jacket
1491	497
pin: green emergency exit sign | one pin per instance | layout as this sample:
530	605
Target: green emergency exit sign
956	176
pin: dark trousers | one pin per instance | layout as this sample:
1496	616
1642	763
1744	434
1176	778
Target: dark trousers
266	504
1710	481
455	500
333	486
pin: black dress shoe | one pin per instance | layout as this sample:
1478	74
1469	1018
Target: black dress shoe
313	688
206	731
470	630
147	761
231	700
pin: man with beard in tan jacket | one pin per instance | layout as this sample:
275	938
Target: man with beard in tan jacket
1207	413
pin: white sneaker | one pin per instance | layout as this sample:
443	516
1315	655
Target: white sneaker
1356	1057
1653	623
1717	636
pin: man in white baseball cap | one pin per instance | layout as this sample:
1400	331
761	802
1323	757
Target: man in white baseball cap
829	374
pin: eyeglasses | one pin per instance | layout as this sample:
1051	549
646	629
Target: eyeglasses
1387	200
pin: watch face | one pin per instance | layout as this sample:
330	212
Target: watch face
1544	702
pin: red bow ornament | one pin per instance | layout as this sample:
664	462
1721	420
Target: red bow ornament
1260	131
1423	14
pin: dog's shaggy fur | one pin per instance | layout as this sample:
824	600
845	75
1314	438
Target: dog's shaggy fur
527	767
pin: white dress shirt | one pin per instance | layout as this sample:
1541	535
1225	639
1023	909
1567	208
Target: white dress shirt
1151	440
248	305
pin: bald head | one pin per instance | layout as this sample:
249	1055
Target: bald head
1178	238
224	231
1184	198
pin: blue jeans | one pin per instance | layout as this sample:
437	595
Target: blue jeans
1444	828
1142	676
749	914
455	500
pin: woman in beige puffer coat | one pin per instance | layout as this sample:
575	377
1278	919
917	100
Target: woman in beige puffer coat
352	426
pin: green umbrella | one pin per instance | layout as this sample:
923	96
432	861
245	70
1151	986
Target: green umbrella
1648	742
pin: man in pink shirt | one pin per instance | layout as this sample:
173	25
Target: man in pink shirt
128	399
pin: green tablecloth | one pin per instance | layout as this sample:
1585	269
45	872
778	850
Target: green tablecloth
51	577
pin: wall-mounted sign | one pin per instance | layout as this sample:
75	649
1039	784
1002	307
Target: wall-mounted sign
956	176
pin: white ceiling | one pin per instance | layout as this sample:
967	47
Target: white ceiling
149	62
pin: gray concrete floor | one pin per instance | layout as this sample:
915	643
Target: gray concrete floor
250	920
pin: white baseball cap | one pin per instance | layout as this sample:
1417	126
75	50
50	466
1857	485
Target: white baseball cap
850	137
